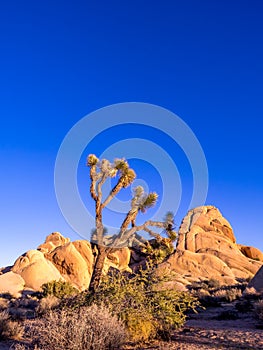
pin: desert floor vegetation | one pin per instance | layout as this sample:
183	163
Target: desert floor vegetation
127	311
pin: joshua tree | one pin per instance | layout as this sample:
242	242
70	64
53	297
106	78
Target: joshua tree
100	171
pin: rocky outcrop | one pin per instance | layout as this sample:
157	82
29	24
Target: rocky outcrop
58	259
35	269
74	261
207	249
251	252
53	241
119	259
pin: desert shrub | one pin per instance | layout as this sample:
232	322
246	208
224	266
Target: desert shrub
159	248
138	300
47	303
205	284
89	328
250	293
233	294
228	295
141	326
213	283
198	285
8	328
221	294
58	289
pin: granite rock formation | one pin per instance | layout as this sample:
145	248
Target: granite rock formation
207	248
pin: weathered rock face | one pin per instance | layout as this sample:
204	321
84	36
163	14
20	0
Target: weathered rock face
119	259
53	241
35	269
251	252
74	261
207	249
204	227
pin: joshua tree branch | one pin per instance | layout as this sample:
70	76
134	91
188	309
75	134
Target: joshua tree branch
116	189
124	236
130	217
99	186
93	182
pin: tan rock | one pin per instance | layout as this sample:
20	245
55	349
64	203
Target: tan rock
251	252
197	266
35	269
200	220
53	241
207	249
74	261
119	259
12	283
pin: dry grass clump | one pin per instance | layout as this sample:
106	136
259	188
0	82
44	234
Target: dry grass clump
46	304
9	329
214	297
251	293
89	328
228	295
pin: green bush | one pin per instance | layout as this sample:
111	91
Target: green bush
158	249
146	310
58	289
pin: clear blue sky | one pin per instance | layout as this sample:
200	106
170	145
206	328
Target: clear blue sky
61	60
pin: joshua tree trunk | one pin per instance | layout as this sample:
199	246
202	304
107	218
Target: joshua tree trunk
98	267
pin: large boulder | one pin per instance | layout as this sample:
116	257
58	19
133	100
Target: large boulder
74	261
35	269
12	283
251	252
207	249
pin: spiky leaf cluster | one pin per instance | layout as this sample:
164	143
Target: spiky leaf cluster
92	160
143	201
